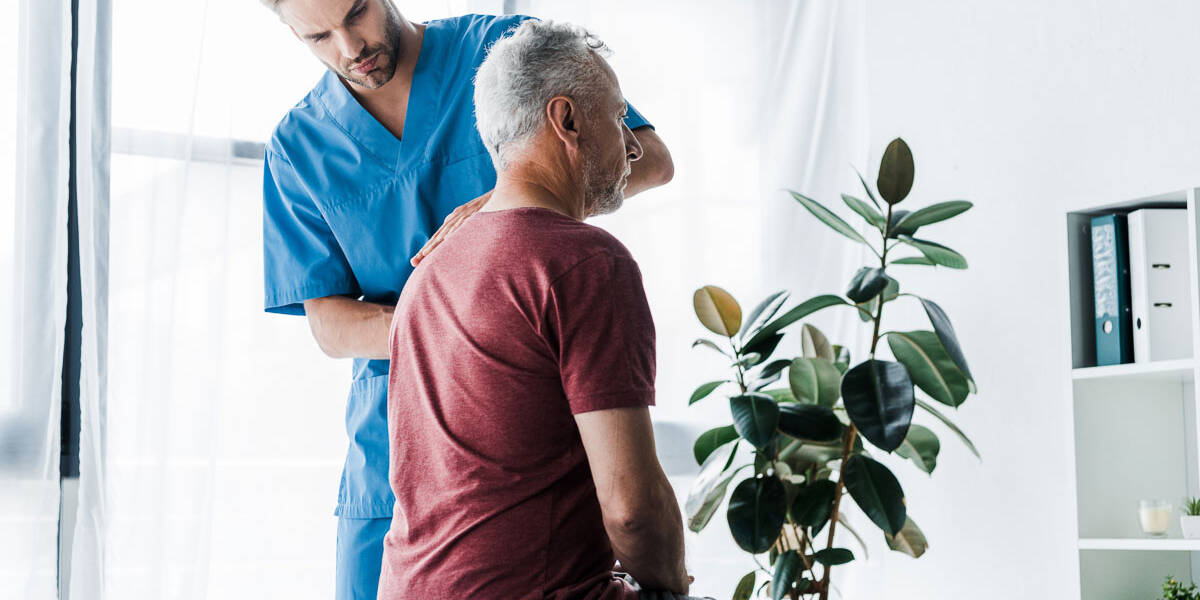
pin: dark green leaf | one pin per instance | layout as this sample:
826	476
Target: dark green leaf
894	229
930	366
764	348
833	556
745	587
910	540
864	210
841	356
809	422
814	344
709	344
867	188
717	310
878	396
763	312
757	510
876	491
921	446
813	504
711	440
704	390
815	381
949	424
945	333
912	260
774	367
755	416
802	310
829	218
895	172
747	360
934	213
867	284
786	568
936	253
709	489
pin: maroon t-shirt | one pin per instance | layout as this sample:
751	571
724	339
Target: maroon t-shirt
520	319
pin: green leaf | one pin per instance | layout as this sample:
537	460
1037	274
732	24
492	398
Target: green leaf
910	540
930	366
912	260
709	488
763	312
876	491
755	416
945	333
809	422
764	348
894	230
774	367
745	587
896	171
864	210
780	395
710	344
717	310
814	344
786	568
867	283
936	253
704	390
747	360
711	440
829	218
878	396
757	510
815	381
866	187
927	407
934	213
921	446
802	310
832	557
841	357
814	504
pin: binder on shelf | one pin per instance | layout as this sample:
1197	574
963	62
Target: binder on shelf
1110	280
1158	277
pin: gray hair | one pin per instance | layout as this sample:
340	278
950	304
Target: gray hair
522	72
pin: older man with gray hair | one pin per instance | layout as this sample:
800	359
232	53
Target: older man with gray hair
522	454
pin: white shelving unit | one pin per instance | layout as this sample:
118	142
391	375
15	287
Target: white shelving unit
1135	433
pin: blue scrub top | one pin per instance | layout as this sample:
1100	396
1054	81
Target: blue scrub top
346	205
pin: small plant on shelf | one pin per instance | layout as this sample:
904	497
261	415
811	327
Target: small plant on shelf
1189	523
1191	507
1173	589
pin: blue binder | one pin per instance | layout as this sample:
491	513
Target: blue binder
1110	277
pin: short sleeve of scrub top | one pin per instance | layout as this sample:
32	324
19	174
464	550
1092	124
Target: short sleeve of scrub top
301	257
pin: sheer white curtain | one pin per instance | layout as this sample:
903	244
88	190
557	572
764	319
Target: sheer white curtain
225	433
750	97
34	135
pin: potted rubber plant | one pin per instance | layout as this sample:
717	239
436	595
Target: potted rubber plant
813	424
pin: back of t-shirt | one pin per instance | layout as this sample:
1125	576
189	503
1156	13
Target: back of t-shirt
520	319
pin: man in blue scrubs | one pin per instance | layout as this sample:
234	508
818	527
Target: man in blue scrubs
358	176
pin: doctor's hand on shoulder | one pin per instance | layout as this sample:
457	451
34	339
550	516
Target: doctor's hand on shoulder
452	222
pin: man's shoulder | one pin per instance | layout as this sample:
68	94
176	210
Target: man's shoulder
297	125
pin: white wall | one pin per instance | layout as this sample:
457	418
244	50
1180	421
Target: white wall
1028	109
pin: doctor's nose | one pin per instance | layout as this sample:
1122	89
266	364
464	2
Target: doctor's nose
349	44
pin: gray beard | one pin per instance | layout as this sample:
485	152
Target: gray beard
604	195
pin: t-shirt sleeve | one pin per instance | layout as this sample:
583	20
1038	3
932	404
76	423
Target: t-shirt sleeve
301	257
603	333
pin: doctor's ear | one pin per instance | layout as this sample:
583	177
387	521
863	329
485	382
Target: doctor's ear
564	120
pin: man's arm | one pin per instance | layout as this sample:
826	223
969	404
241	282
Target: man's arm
349	328
640	513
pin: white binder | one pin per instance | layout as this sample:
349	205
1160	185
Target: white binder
1158	278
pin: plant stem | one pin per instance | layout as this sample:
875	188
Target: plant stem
849	442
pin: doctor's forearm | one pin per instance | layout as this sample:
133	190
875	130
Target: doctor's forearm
348	328
654	168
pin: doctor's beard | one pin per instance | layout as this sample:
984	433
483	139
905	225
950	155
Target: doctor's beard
388	55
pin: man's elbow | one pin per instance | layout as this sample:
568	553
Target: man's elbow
663	168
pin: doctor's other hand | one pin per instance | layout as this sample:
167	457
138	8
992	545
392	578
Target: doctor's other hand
452	222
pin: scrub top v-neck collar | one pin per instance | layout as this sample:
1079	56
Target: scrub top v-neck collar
345	110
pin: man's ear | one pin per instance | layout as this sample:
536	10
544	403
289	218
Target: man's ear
564	120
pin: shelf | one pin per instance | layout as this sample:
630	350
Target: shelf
1168	370
1162	544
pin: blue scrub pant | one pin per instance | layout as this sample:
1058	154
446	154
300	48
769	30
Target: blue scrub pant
359	557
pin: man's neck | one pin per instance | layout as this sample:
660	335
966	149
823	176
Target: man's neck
533	187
